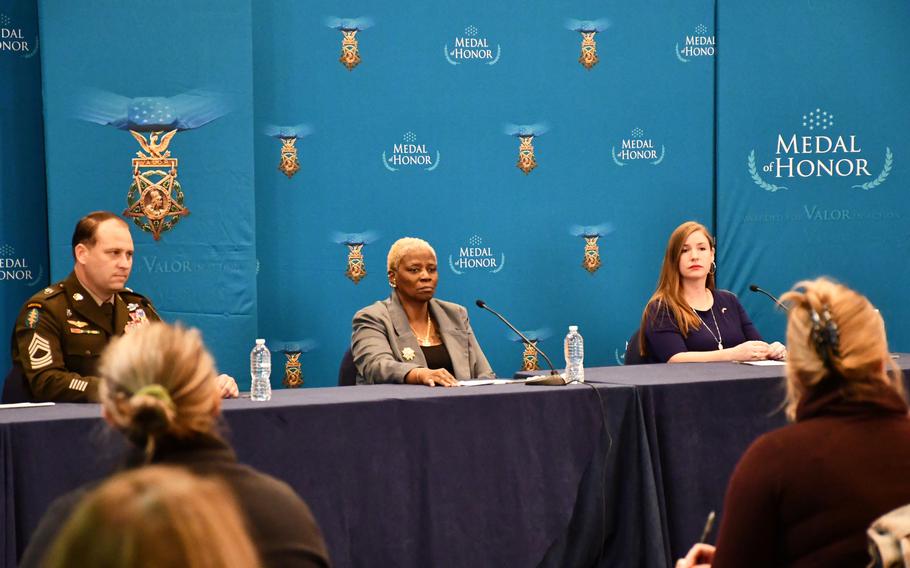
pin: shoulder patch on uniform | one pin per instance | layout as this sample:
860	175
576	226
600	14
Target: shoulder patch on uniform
32	317
39	352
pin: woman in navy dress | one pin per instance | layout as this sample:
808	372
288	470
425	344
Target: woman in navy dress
688	320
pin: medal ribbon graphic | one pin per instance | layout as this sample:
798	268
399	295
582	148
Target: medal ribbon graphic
289	135
355	242
588	29
350	52
591	261
526	133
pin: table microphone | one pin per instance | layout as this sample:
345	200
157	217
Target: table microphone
755	288
554	379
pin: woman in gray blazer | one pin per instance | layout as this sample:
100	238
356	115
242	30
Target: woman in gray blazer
411	337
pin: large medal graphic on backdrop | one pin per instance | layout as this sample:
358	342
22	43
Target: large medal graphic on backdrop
820	150
155	200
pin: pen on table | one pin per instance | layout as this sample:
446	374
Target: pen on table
709	524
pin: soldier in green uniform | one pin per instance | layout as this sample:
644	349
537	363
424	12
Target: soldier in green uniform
62	330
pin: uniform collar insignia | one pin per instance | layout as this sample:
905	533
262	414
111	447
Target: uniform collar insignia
78	297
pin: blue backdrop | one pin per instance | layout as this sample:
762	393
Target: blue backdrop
629	151
818	72
23	203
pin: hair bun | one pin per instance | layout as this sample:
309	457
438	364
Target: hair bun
153	412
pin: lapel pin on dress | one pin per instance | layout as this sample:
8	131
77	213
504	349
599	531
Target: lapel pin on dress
407	354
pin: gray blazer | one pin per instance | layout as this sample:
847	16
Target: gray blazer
381	333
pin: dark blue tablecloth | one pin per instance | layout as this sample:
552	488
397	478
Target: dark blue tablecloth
699	419
402	475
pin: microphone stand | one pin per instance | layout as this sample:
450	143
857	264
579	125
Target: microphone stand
554	379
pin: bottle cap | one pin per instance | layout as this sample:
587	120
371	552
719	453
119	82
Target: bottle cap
573	328
260	342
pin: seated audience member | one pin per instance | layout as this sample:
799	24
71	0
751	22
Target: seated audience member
159	389
688	320
157	516
805	494
411	337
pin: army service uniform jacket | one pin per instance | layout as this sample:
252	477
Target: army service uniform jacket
60	333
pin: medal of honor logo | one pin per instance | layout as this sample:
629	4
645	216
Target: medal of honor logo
409	154
526	133
476	257
356	267
12	40
700	44
289	135
591	260
155	200
16	268
350	50
637	148
471	47
817	152
588	30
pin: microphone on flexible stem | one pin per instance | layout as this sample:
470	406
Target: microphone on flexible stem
555	378
755	288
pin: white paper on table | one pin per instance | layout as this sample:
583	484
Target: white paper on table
483	382
25	405
765	363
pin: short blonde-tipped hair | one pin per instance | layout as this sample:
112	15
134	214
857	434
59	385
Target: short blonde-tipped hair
159	380
402	247
863	361
156	516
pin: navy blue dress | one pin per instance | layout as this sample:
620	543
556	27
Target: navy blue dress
664	340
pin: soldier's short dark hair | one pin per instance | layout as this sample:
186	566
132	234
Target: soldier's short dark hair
87	227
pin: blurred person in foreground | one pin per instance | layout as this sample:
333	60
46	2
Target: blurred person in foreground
804	495
159	389
411	337
688	319
155	516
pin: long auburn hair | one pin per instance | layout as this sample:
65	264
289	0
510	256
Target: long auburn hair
668	295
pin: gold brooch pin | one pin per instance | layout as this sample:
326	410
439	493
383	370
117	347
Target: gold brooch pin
407	354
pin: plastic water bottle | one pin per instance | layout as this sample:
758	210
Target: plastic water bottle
260	371
575	355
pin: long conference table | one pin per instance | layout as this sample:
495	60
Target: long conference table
620	471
